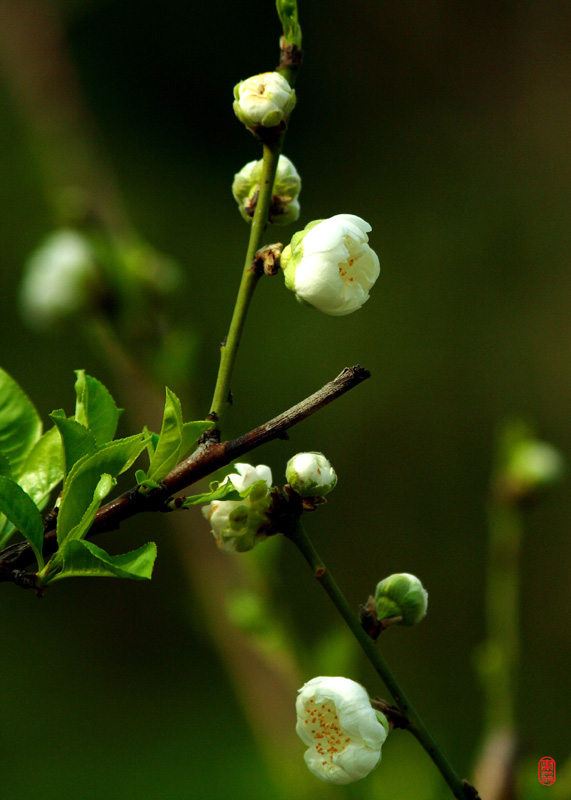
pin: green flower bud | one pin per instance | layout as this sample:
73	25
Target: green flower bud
310	475
284	207
401	595
534	465
263	101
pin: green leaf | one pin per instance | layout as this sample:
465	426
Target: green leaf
104	486
95	408
43	468
175	438
77	440
79	487
287	12
169	445
5	468
20	425
83	558
191	433
22	512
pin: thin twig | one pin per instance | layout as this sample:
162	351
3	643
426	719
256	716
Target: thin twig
208	458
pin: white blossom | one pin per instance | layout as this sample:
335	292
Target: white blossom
311	474
238	525
330	265
263	100
58	279
343	733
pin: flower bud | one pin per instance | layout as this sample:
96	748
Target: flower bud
330	266
263	100
310	475
284	207
238	525
59	279
343	733
401	595
534	465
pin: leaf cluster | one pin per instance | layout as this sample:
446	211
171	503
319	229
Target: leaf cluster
80	455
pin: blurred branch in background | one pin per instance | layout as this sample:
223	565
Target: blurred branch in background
524	469
46	90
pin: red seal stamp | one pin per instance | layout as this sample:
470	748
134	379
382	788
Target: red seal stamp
546	770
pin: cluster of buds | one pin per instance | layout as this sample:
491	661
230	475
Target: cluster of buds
238	525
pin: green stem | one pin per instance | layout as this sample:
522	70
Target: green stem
502	612
302	541
221	400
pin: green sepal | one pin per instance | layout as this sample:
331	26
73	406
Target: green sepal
175	438
146	485
223	491
113	459
24	515
20	425
77	440
95	408
81	558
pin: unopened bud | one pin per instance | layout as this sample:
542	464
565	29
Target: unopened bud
284	207
60	279
310	475
401	595
534	465
263	100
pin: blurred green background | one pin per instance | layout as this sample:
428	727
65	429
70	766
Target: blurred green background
446	126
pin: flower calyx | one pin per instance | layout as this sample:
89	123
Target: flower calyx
394	717
371	624
267	259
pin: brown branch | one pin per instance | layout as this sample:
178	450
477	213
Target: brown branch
208	458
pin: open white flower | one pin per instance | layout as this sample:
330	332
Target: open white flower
263	100
330	265
343	733
238	525
311	475
58	279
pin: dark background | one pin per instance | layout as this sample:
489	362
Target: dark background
446	126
